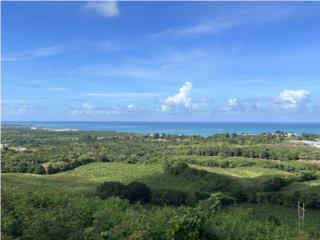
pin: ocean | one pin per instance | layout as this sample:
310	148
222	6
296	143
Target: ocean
186	128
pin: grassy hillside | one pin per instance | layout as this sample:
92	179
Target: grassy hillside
84	180
220	187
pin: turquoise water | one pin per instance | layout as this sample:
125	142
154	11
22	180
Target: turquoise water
187	128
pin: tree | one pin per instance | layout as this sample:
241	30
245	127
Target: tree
139	192
39	169
170	197
109	189
275	184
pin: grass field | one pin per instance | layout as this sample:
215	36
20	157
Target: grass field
86	178
245	172
154	175
122	172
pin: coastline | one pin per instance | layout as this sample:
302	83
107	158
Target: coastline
174	128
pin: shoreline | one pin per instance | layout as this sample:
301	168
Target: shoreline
187	129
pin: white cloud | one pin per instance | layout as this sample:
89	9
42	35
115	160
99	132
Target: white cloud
88	109
235	105
91	110
229	20
131	106
179	101
103	8
35	53
24	109
214	27
46	51
87	106
292	99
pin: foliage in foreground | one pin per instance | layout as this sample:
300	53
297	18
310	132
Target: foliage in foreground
35	215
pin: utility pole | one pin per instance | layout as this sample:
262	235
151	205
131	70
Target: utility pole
301	211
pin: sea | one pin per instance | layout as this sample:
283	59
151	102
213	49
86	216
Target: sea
179	128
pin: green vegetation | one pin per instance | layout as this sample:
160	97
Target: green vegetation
105	185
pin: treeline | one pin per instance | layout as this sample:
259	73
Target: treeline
233	138
274	152
234	162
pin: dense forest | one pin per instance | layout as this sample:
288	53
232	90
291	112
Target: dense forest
109	185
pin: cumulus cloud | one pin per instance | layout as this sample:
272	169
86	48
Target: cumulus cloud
234	104
292	99
179	101
131	106
87	106
103	8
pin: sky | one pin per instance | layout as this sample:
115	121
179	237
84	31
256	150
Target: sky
160	61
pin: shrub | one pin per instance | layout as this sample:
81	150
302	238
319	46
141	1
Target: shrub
139	192
273	219
239	195
263	197
201	196
170	197
213	203
38	170
189	224
109	189
275	184
307	177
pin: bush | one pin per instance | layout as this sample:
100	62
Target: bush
274	185
109	189
263	197
139	192
239	195
201	196
170	197
212	204
273	219
307	177
189	224
38	170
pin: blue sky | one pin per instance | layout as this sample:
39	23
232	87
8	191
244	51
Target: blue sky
162	61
